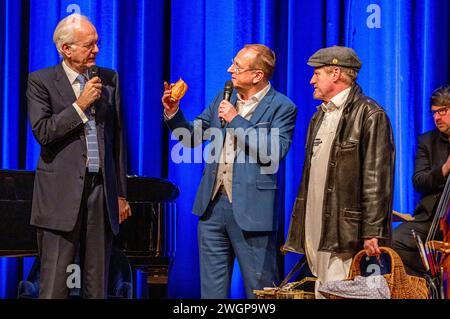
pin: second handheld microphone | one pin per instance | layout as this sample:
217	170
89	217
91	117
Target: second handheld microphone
92	72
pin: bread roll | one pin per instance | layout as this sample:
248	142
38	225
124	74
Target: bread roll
178	90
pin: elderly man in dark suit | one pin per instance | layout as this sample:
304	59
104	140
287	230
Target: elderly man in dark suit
79	190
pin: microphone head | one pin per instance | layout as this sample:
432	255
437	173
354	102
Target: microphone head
228	86
227	90
92	72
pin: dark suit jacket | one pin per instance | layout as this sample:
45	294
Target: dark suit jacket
432	153
253	192
59	130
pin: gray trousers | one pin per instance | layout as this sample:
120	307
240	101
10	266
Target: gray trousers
91	238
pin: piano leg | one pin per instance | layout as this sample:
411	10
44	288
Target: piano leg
157	281
150	282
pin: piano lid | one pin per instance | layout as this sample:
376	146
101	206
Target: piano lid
150	189
18	185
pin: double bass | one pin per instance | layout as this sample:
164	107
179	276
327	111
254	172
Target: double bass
437	253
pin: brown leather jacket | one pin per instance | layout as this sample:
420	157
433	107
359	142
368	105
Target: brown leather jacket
359	185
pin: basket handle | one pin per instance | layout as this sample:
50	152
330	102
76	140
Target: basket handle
356	271
354	267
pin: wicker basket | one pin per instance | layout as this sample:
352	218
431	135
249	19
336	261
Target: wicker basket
293	290
401	285
283	294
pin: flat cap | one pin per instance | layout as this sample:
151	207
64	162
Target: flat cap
335	55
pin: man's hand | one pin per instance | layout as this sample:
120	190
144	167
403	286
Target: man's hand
446	167
227	111
371	247
170	107
124	209
91	93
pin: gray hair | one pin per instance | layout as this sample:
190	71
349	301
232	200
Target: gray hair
64	32
348	75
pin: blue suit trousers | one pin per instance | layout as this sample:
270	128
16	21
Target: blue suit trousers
221	240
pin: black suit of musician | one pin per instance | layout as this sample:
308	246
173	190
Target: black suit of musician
432	166
77	206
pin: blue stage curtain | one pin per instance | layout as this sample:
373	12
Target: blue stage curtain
10	117
403	46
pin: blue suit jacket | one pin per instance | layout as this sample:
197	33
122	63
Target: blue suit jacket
59	180
253	192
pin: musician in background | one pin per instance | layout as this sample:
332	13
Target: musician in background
236	199
432	166
79	188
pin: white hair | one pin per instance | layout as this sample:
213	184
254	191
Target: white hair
64	32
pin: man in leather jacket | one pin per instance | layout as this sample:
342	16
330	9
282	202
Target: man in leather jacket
345	197
432	165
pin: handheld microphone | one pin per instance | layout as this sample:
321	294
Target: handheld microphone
227	91
92	72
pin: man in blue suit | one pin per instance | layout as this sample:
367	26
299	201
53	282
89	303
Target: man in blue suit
236	197
80	184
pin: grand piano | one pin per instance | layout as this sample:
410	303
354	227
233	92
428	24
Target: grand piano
148	237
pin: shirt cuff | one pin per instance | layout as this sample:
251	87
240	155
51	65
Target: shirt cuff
80	113
166	117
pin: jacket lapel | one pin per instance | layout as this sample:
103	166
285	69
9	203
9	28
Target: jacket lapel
319	115
259	111
262	107
317	121
63	86
66	92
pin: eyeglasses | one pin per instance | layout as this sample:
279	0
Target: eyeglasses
89	46
238	70
441	111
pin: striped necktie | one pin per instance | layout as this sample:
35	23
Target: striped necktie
90	130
